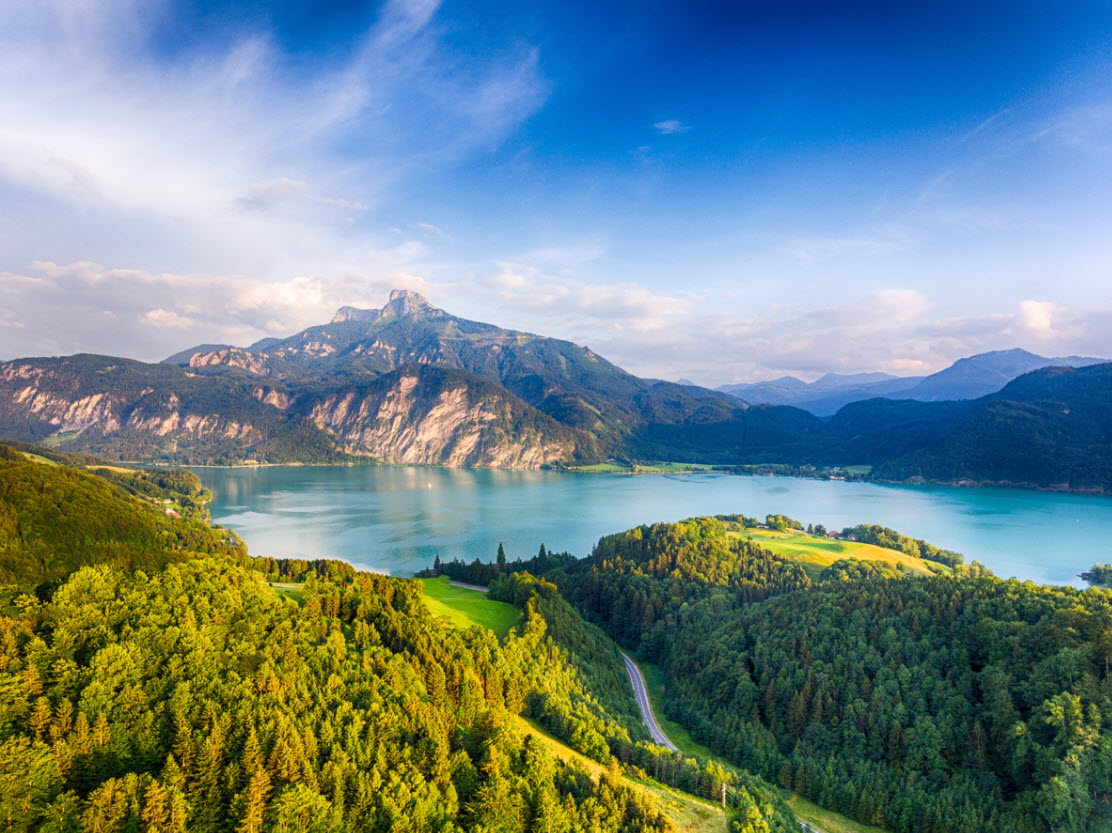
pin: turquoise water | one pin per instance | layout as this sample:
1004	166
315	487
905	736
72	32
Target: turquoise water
396	519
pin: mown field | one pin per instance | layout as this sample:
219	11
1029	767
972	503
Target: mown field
815	554
464	608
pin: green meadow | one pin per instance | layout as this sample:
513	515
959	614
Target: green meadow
815	554
464	608
643	468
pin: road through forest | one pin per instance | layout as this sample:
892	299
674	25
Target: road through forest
642	695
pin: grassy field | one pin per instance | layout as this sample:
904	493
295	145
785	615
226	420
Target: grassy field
813	814
464	608
59	437
289	590
827	821
117	469
38	458
816	554
647	468
686	812
858	471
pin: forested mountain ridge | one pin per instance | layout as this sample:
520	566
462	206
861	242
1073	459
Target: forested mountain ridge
1051	428
931	704
175	695
55	519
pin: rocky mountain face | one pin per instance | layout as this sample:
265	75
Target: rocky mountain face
418	414
138	411
570	383
421	414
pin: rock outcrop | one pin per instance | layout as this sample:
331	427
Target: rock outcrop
427	415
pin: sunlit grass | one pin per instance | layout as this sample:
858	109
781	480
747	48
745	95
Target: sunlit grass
815	554
117	469
826	820
686	812
464	608
38	458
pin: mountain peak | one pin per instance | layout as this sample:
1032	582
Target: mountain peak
406	302
402	302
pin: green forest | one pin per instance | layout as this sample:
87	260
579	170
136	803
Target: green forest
154	676
953	703
151	679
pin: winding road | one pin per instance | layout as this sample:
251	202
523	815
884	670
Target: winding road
642	695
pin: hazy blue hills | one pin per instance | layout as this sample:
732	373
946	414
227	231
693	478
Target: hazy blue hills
968	378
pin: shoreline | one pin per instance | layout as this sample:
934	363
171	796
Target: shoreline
697	468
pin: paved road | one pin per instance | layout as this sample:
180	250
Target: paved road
643	702
467	586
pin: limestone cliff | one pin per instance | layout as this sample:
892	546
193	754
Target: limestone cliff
130	410
418	414
427	415
231	357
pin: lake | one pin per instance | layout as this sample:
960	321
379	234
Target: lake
397	519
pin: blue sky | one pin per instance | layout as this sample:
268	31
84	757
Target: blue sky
720	191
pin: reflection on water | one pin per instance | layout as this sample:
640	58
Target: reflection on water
397	519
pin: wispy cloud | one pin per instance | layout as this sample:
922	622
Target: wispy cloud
898	330
670	126
234	150
888	239
149	315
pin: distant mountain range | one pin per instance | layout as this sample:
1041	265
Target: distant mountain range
412	384
969	378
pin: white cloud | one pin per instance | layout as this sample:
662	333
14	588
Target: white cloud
890	330
237	157
155	314
670	126
526	288
1038	317
167	318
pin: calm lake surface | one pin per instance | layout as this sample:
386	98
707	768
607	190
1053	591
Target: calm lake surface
396	519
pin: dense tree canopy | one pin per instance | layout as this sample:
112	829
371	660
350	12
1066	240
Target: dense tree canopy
181	692
959	703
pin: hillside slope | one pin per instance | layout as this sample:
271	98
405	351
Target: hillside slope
1049	428
130	410
54	520
189	695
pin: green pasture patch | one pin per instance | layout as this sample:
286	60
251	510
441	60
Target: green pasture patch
464	608
816	554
